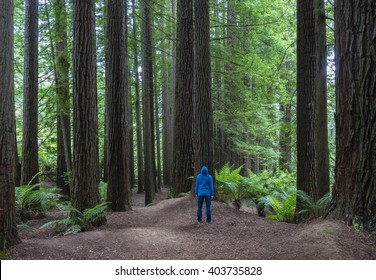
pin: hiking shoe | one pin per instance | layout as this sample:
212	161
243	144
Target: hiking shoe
209	223
198	222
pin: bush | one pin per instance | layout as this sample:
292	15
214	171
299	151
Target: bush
310	208
77	221
231	185
37	199
279	206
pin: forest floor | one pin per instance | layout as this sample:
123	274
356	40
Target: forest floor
167	230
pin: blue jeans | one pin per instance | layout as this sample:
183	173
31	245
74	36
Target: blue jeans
208	209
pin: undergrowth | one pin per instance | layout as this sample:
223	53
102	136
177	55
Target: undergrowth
76	221
274	193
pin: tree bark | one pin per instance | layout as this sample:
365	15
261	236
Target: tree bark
119	185
217	96
8	227
354	190
140	154
30	165
130	131
85	122
203	111
183	111
312	135
147	101
166	120
227	155
168	103
157	132
64	150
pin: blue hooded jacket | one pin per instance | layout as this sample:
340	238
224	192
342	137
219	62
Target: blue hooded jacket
204	183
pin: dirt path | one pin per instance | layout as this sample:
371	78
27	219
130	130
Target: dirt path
167	231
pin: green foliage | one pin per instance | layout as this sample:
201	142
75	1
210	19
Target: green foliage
76	221
231	185
102	191
310	208
25	226
3	255
36	198
279	206
273	193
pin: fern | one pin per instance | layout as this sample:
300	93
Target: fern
57	223
309	207
95	214
36	198
72	230
231	185
77	221
25	226
280	206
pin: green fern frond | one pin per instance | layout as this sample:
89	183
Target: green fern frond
25	226
323	203
311	208
57	223
37	198
73	229
96	213
70	210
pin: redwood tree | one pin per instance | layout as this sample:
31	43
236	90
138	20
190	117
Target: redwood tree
64	154
119	185
85	192
354	190
147	101
183	111
8	227
312	135
140	158
29	165
203	111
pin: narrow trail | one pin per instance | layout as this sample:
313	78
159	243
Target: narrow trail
167	231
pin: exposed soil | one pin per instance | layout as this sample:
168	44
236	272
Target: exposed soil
167	230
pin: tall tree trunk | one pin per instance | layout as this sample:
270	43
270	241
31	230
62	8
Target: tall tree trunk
321	111
64	154
183	129
217	96
157	130
119	189
312	152
168	103
85	192
17	174
227	155
140	155
106	73
130	131
105	146
29	165
203	111
147	101
354	190
166	120
8	227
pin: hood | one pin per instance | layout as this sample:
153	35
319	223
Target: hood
204	170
